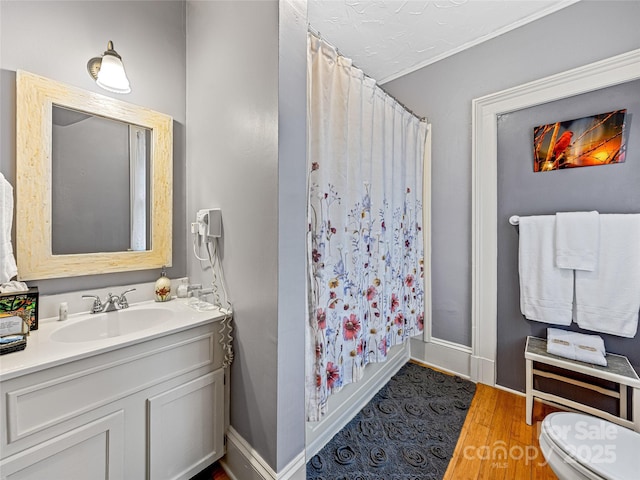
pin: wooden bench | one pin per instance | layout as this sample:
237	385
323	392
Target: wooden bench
618	370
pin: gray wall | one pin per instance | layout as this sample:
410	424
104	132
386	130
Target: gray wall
582	33
56	39
608	189
248	159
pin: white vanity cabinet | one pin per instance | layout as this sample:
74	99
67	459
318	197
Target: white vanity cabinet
153	409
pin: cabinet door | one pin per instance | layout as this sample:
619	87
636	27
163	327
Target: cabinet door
91	451
186	428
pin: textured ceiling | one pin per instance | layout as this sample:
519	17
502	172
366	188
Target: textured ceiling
390	38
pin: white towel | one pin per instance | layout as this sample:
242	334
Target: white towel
12	287
8	268
577	240
608	299
576	346
546	291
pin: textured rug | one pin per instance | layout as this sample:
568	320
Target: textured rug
408	431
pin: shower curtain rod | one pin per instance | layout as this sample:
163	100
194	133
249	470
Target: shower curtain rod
319	36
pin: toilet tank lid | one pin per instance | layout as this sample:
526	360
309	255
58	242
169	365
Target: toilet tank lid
607	449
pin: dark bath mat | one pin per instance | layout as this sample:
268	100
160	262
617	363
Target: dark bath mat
408	431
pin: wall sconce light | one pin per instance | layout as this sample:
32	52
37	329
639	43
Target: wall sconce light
108	71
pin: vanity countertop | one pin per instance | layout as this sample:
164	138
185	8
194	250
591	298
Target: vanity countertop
44	352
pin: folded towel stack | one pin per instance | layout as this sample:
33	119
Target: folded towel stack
576	346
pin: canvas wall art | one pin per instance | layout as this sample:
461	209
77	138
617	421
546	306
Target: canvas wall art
583	142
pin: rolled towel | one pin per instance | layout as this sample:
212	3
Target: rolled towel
576	346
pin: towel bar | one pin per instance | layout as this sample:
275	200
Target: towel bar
514	220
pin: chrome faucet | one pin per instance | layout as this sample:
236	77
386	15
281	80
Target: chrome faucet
122	300
111	303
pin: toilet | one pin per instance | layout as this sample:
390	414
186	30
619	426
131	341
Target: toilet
579	446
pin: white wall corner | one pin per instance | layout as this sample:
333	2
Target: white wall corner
483	370
296	469
243	462
444	355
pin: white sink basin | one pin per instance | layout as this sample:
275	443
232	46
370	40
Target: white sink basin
100	326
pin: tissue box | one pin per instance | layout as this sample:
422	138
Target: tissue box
25	301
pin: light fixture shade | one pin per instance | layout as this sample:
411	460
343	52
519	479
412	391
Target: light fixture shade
112	76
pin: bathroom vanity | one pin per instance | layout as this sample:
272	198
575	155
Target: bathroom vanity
101	397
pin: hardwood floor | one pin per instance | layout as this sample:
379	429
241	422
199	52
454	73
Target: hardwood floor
214	472
495	442
219	473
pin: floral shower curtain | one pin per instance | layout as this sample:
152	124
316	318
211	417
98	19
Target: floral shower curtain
365	243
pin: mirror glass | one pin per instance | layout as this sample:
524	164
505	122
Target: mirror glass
94	182
98	162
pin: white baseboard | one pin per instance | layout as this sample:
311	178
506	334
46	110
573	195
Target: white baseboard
507	389
483	370
296	469
443	355
344	405
242	462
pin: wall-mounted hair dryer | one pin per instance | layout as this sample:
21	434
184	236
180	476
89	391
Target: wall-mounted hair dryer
208	223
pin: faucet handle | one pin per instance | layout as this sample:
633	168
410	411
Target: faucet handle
97	304
124	303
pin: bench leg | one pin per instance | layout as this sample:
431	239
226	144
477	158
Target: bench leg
529	402
624	410
636	409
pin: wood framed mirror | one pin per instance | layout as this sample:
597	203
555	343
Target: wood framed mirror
94	182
